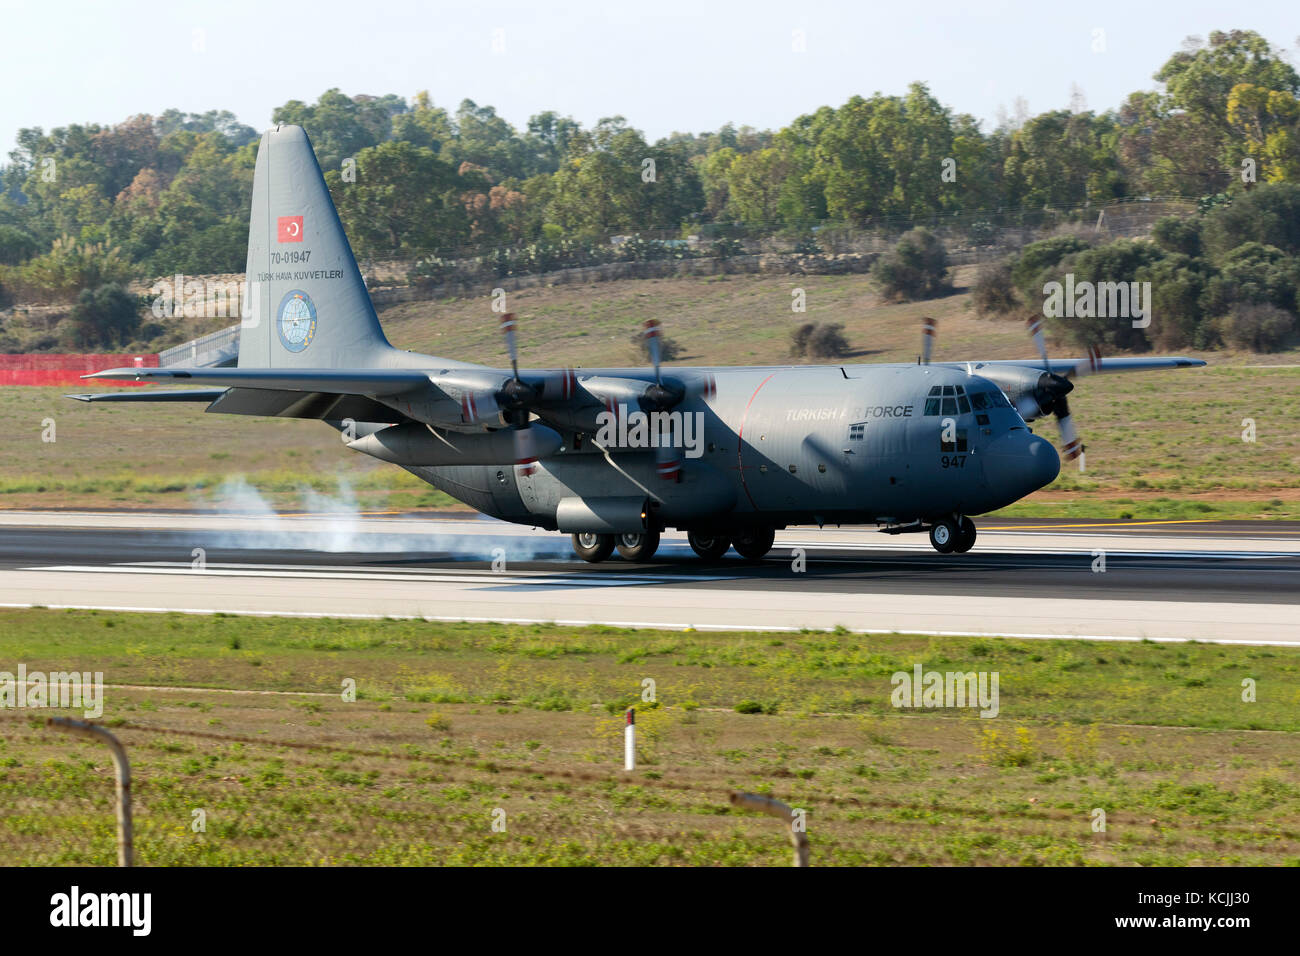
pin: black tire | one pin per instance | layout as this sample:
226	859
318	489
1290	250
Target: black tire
710	547
637	546
753	543
965	536
944	535
593	547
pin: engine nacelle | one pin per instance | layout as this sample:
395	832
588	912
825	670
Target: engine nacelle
1034	393
414	444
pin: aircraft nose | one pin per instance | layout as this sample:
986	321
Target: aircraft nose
1019	463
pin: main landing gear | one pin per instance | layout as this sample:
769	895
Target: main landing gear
952	535
640	546
710	547
750	543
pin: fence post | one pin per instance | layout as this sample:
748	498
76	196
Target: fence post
125	836
629	740
775	808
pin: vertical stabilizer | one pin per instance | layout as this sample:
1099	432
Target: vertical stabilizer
306	304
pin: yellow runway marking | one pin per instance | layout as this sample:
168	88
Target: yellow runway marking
1131	524
1116	524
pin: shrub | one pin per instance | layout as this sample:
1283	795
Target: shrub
799	338
819	340
1268	214
669	349
916	268
103	317
70	267
1259	328
828	341
16	246
994	293
1177	315
1178	234
1253	272
1116	262
1038	256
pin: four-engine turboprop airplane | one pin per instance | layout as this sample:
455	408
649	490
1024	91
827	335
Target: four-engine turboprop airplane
615	456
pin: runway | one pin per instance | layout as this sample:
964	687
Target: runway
1224	582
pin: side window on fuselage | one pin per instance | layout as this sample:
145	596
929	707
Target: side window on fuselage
858	431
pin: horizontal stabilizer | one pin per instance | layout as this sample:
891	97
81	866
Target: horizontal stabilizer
339	381
154	395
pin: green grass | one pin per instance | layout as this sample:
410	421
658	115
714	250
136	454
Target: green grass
454	722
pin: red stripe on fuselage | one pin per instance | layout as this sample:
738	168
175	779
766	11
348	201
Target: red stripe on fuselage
740	440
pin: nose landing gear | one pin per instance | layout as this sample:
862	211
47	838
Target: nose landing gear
954	535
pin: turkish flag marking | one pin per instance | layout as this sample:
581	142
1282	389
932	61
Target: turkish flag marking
289	229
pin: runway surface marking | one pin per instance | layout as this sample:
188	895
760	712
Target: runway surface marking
439	575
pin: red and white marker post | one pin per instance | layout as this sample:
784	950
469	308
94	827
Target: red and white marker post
629	740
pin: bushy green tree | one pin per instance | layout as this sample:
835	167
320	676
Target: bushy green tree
104	317
915	268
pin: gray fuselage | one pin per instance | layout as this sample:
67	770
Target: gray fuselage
782	446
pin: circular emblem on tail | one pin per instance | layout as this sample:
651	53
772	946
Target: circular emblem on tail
296	320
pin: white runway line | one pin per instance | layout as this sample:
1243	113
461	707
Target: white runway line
652	605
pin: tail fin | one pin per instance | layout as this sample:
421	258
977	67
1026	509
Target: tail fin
307	306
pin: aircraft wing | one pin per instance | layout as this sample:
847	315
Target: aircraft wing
337	381
1089	365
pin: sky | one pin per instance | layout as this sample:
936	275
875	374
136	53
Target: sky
664	65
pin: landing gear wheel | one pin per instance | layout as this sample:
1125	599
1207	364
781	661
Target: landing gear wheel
944	535
593	547
752	543
710	547
640	546
965	535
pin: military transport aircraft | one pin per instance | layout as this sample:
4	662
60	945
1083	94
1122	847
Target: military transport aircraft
614	456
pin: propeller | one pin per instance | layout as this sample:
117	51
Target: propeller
513	400
663	395
1053	388
929	329
658	397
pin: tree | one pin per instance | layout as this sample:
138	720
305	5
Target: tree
15	245
424	124
405	201
1268	214
104	317
341	126
754	186
1191	139
916	268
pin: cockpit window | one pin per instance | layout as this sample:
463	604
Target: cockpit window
956	400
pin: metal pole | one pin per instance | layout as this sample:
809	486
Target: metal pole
125	836
775	808
629	740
